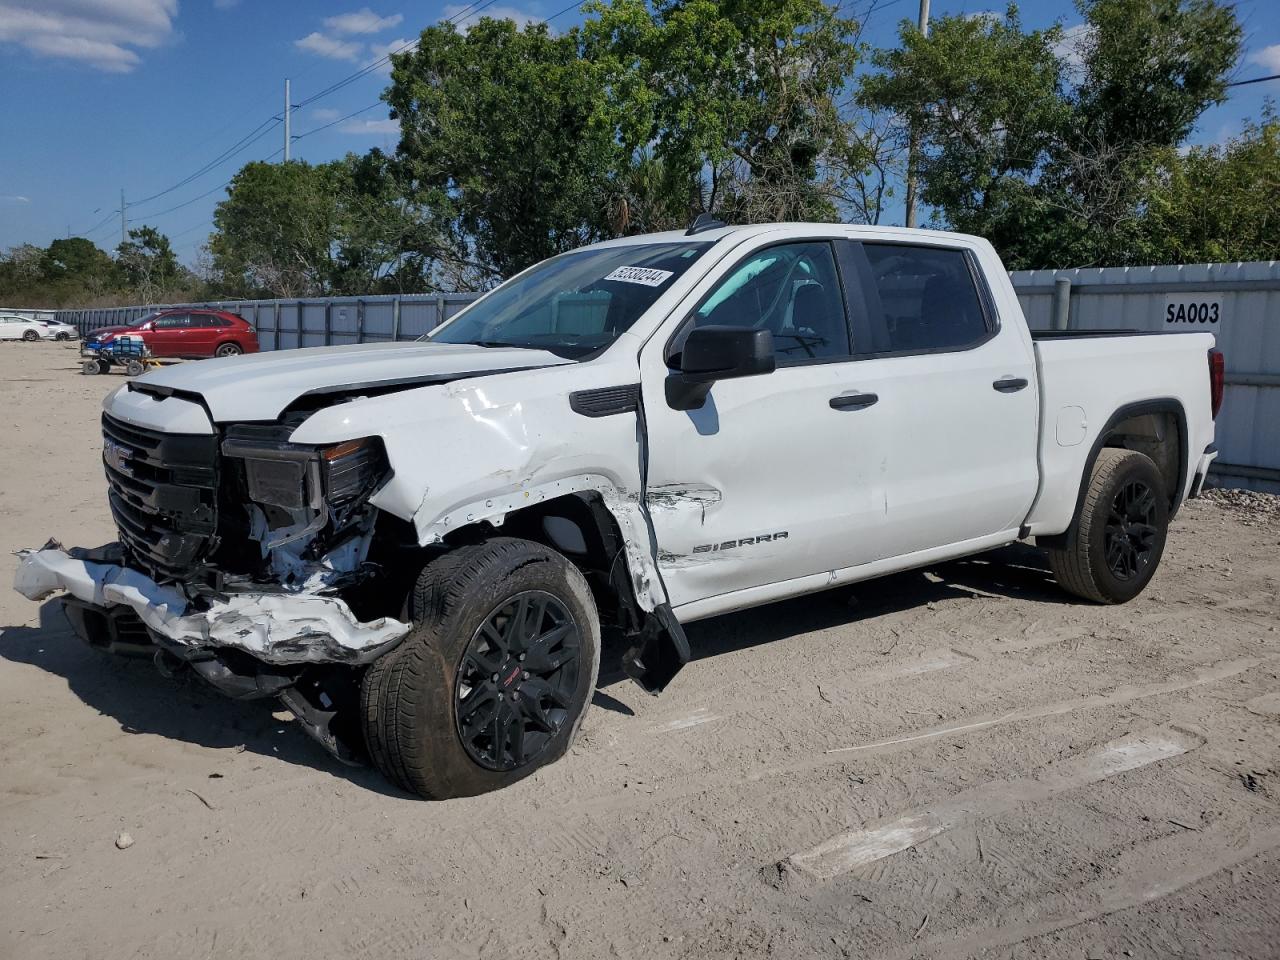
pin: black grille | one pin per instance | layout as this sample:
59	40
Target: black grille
163	495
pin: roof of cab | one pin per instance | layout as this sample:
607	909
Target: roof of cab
744	231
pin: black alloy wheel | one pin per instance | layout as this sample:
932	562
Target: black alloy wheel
1130	535
516	680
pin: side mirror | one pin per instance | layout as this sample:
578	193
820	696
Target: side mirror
717	353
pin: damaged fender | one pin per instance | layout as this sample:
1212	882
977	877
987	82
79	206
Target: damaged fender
277	628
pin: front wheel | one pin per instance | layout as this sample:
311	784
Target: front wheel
494	679
228	350
1112	549
30	336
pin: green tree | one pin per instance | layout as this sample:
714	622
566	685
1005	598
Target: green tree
1219	203
275	230
987	101
1052	152
147	264
739	101
507	141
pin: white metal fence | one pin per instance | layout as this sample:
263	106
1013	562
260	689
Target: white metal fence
309	322
1237	302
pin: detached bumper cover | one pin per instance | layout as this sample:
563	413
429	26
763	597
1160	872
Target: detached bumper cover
276	628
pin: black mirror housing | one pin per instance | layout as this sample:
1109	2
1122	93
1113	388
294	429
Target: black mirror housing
714	353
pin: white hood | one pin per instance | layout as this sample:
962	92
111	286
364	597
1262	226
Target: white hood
259	386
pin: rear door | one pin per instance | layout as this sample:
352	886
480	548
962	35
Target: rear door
202	335
958	391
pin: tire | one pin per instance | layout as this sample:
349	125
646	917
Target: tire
228	350
30	336
134	368
91	368
62	336
422	728
1114	545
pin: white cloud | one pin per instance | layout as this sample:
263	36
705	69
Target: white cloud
1070	48
323	46
363	20
522	17
1268	58
370	126
324	114
379	50
100	34
14	198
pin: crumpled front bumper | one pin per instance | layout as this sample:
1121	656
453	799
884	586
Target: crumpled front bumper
277	628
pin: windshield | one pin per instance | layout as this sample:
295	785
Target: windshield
577	304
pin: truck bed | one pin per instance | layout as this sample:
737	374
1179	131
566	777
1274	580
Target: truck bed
1090	379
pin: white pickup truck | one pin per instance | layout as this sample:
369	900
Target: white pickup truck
418	546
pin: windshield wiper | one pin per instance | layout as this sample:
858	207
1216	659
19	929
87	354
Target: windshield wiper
502	343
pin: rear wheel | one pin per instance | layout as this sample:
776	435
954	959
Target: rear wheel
134	368
1113	547
495	677
228	350
62	336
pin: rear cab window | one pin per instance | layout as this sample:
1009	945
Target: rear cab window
927	299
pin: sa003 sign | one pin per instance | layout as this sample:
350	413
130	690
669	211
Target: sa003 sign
1192	308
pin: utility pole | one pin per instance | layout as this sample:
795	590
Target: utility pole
913	145
287	107
123	222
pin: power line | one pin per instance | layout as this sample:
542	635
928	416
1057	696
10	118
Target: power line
254	135
1244	83
470	10
334	123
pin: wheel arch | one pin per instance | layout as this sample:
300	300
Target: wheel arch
1135	426
595	532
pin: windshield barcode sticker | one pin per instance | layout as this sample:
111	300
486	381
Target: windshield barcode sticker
641	275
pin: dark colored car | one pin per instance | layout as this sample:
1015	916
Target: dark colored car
189	334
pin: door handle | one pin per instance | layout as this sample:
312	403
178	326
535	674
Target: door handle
853	401
1010	384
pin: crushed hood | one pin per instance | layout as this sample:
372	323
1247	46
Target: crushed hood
260	386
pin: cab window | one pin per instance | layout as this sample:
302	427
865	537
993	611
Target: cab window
928	296
793	291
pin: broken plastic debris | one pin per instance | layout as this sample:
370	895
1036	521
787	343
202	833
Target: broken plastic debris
276	628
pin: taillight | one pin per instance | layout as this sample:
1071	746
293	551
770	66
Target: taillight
1217	379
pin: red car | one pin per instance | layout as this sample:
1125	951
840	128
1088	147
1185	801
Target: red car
190	334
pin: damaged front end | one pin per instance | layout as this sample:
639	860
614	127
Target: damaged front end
243	558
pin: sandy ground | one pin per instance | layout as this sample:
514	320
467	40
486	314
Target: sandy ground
953	762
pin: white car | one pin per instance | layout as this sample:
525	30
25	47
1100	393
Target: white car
56	330
13	327
417	547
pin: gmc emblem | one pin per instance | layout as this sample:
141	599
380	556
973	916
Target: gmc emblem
117	457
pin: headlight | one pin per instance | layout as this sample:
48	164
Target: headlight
351	468
295	476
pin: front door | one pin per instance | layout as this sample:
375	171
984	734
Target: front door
776	476
168	335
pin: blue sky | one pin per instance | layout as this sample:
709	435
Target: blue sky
100	95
